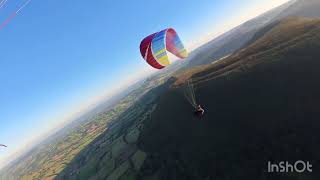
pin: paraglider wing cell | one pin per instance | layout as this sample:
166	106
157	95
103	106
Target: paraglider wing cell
146	52
174	44
154	48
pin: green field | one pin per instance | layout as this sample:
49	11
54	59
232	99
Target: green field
114	131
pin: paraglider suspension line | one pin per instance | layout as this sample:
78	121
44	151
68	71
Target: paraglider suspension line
190	94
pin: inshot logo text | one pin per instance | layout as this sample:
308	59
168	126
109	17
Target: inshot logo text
287	167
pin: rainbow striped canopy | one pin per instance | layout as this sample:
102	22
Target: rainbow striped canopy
154	48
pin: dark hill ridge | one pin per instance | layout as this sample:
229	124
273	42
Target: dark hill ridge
262	106
278	37
239	37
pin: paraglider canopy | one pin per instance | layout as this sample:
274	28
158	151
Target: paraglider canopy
3	145
154	48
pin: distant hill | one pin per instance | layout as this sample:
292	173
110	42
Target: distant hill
239	37
302	8
261	105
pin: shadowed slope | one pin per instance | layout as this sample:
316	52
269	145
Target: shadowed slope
262	106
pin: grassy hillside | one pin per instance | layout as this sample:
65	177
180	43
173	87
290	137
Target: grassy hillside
261	105
114	154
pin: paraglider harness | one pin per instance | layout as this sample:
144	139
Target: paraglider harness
191	97
199	111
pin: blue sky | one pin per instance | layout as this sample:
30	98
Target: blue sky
56	54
